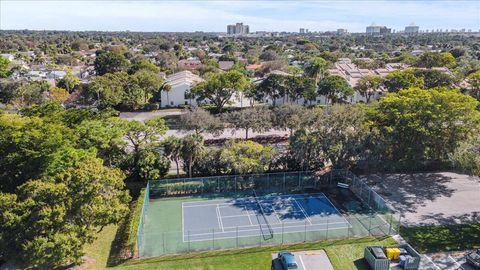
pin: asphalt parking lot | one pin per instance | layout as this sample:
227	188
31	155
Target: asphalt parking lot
445	261
306	260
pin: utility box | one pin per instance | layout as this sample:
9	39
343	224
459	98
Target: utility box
375	260
376	256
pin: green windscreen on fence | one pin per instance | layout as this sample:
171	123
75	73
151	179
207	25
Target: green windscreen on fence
175	211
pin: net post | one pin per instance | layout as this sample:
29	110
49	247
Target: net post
236	237
283	224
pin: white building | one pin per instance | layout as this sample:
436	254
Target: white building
411	29
180	83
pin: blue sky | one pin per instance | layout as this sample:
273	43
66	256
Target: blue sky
215	15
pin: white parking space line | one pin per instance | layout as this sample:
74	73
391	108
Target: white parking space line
457	263
434	264
301	261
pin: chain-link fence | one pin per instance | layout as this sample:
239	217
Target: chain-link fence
162	214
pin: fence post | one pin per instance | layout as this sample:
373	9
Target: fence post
218	183
188	239
235	183
284	185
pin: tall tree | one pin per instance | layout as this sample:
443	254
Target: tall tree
290	117
335	89
219	88
172	146
402	79
46	223
257	119
368	85
4	67
474	81
200	121
418	125
247	157
273	87
315	68
110	62
192	147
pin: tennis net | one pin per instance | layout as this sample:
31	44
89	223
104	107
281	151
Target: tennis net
269	234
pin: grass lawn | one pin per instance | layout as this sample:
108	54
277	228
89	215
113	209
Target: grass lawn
428	239
344	255
99	251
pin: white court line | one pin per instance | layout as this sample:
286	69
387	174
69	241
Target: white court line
301	261
457	263
219	217
276	214
434	264
233	216
229	201
292	226
338	211
242	236
303	211
248	214
183	226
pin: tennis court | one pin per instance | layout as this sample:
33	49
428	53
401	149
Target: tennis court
224	212
254	216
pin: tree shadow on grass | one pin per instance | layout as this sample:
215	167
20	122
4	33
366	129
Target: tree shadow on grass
119	252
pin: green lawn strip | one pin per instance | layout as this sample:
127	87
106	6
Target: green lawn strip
344	254
428	239
98	252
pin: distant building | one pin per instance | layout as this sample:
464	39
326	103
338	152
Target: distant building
238	29
412	29
231	29
378	30
302	31
342	31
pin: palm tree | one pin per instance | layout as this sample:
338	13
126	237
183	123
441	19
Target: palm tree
368	85
167	88
192	147
173	150
316	68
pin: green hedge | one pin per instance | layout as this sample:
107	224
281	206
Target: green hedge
133	223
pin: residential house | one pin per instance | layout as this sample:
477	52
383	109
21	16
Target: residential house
181	84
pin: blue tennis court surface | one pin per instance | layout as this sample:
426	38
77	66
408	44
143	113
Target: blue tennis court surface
267	215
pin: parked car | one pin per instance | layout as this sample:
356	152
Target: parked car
473	258
287	260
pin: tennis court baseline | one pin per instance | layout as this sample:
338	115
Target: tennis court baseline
255	216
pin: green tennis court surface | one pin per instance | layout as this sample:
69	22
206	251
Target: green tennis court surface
209	221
